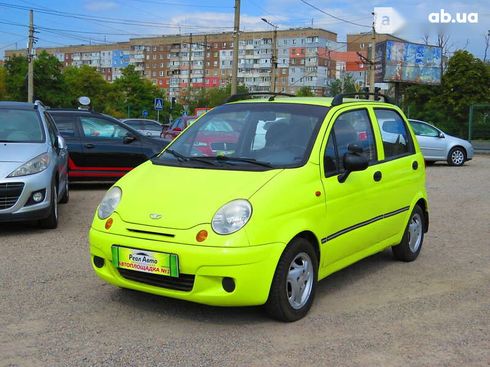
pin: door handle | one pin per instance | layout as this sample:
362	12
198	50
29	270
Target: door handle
89	146
377	176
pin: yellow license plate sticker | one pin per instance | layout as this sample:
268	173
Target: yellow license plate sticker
159	263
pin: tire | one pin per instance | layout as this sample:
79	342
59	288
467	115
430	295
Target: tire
51	222
429	163
456	156
296	273
411	245
66	195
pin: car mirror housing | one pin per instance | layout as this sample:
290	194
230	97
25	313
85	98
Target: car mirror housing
353	162
441	135
129	139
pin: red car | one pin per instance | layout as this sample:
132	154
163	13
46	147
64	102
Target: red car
170	132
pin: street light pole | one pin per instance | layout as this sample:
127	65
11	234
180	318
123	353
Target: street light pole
274	55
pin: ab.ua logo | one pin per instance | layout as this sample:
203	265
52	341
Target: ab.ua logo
444	17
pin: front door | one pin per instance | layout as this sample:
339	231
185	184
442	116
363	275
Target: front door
353	206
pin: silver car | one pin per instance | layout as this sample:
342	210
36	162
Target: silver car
33	165
150	128
436	145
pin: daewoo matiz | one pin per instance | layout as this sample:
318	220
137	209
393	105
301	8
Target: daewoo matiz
260	222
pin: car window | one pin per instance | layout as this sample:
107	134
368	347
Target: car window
394	132
175	123
20	126
352	127
65	124
152	126
53	133
96	128
422	129
134	124
230	133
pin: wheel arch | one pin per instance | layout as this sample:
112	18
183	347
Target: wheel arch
311	238
422	203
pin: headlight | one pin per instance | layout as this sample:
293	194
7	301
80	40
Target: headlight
232	216
109	203
35	165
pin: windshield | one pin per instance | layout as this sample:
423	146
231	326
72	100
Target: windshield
248	136
20	126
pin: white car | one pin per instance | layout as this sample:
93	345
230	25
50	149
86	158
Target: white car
436	145
150	128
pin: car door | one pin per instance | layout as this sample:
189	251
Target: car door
432	143
106	147
352	207
67	124
401	169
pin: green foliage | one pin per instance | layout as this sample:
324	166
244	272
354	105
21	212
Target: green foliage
3	83
49	85
16	78
465	82
338	86
212	97
86	81
304	92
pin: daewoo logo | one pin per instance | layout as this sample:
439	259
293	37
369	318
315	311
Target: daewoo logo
155	216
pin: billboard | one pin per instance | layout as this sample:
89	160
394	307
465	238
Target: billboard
408	62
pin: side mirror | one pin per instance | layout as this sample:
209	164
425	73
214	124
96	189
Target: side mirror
60	143
353	161
441	135
128	139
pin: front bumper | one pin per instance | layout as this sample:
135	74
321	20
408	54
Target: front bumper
252	269
32	183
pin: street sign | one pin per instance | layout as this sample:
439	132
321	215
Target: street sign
145	113
158	104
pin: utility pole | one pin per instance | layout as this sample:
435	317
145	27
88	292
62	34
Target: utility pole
30	59
190	70
236	31
372	60
274	55
205	60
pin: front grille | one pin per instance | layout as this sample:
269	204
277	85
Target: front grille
9	194
184	282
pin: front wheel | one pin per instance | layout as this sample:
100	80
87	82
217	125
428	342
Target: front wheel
294	284
409	248
456	156
51	222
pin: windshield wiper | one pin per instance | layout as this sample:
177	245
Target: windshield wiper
241	159
183	158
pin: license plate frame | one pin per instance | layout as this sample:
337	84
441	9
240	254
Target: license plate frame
146	261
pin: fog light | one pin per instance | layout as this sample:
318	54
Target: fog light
98	262
228	284
38	197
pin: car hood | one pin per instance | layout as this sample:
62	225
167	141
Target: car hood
183	197
12	155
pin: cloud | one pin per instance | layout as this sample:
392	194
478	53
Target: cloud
100	5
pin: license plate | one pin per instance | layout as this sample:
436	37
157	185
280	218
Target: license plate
159	263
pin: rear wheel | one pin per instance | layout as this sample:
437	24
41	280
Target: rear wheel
456	156
294	284
409	248
51	222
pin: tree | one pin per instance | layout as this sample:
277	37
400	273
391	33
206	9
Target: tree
133	93
86	81
16	78
3	83
304	92
347	85
49	84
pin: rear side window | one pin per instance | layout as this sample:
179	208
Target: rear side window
352	127
424	129
152	126
396	138
66	125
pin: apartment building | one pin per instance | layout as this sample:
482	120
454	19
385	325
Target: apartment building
178	63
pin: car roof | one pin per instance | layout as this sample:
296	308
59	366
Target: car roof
72	110
318	101
17	105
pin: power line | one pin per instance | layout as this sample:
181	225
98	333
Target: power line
334	16
193	5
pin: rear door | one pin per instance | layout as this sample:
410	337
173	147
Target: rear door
402	170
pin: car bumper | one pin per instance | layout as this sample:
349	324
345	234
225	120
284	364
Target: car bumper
251	268
23	210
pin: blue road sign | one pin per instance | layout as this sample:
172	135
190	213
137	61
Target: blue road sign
145	113
158	104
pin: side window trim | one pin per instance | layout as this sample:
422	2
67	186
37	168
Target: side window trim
331	131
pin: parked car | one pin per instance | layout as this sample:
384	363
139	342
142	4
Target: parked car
146	127
437	145
33	165
171	131
260	225
101	147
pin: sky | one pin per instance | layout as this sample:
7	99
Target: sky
62	22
